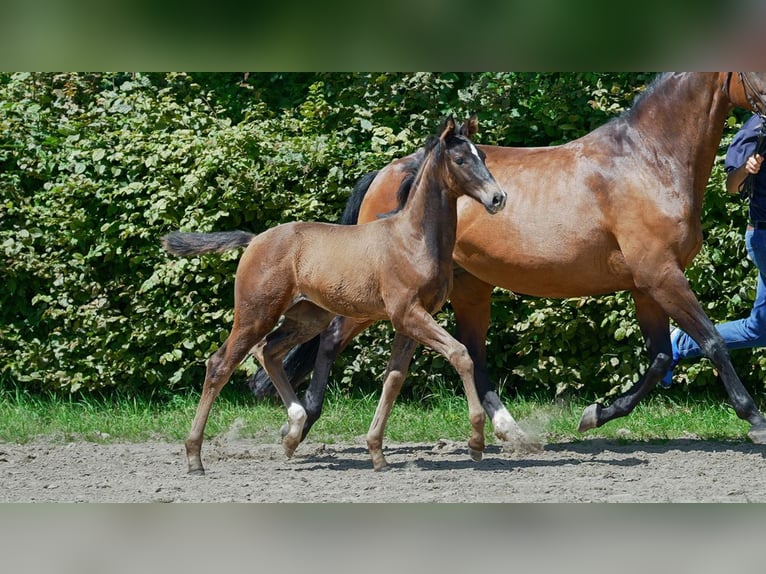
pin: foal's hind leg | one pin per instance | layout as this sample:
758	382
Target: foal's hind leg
302	322
401	355
218	371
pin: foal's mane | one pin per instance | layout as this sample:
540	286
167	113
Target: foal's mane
411	169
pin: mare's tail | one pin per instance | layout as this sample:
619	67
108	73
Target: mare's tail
184	244
351	212
299	361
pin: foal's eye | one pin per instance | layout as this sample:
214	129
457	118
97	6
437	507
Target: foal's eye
459	160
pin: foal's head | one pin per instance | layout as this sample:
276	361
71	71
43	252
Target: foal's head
460	165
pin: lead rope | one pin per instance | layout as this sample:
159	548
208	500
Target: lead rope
747	187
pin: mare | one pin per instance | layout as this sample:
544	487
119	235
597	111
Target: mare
397	269
617	209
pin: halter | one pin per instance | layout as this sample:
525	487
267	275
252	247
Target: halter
753	96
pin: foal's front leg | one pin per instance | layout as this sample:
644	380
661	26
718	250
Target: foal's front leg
471	304
422	327
401	355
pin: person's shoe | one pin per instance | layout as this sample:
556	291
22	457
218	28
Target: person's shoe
667	380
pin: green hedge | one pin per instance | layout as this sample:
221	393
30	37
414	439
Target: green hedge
94	168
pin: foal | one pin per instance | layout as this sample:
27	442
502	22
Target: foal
398	269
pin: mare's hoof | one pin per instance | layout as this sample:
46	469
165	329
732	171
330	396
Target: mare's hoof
589	419
476	455
757	435
196	471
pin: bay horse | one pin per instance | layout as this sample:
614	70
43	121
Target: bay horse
617	209
397	269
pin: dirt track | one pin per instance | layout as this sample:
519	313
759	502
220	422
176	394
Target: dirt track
240	470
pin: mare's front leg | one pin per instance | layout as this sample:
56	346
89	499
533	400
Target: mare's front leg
332	341
398	364
471	300
421	326
654	322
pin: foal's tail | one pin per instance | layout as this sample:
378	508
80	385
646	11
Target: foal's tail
184	244
299	361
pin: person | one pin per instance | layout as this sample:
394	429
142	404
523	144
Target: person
743	158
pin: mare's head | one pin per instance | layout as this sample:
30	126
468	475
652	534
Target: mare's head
747	90
461	165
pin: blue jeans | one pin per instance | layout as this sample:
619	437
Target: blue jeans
744	333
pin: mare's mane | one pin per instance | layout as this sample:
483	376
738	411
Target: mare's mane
412	165
660	82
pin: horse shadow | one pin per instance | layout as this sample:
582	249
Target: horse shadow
426	457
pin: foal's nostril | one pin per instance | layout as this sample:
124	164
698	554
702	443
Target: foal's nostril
498	200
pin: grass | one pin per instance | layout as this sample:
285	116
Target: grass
664	416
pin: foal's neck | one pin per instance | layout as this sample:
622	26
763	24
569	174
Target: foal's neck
431	212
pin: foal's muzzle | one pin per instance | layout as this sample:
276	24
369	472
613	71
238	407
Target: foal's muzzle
497	202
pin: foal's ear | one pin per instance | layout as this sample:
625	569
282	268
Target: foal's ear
448	128
470	127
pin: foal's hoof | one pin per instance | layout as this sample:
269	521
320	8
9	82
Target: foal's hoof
589	419
476	455
289	447
757	435
284	430
196	471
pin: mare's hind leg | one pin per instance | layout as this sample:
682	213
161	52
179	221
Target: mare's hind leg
218	371
401	355
421	326
653	321
471	303
302	322
689	316
673	294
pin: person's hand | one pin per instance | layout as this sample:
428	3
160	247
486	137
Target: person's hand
753	163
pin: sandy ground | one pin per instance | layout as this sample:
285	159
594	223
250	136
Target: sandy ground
244	470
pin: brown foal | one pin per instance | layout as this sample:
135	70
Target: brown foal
398	268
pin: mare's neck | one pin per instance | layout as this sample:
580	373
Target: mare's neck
683	119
